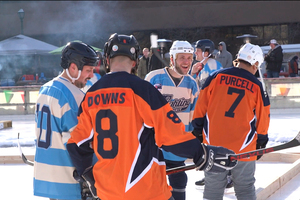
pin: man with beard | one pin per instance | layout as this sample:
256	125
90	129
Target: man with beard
181	91
55	117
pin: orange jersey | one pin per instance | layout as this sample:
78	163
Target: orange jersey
232	111
118	117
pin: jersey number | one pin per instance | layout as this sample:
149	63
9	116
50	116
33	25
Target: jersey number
45	112
241	94
105	134
172	116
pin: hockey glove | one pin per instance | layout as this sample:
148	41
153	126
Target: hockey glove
215	159
261	143
198	134
260	146
87	179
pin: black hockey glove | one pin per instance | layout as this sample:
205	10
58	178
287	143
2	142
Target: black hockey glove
261	143
260	146
87	181
198	134
215	159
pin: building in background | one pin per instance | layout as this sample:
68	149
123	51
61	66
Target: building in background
54	22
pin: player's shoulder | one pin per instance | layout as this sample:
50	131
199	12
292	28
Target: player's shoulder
61	88
238	72
190	79
155	73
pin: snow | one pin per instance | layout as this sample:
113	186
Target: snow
284	126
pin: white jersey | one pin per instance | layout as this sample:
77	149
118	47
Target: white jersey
56	116
182	98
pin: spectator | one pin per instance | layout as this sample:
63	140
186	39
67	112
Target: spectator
274	59
293	66
233	111
181	91
143	64
126	121
55	117
204	64
224	56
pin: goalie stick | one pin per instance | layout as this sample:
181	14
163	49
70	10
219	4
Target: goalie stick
293	143
25	160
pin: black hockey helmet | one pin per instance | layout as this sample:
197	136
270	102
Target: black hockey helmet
206	45
79	53
122	45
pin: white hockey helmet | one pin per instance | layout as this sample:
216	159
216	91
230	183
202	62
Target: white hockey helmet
180	47
251	53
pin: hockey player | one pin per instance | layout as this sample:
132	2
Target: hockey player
204	64
97	74
93	80
125	121
181	91
233	111
55	117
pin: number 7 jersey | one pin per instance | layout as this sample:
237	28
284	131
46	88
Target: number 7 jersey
232	110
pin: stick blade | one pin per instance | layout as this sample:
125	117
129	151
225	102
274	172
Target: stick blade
25	160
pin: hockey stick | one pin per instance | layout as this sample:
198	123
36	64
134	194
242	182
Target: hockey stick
293	143
25	160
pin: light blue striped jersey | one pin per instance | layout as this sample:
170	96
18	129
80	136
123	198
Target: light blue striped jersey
182	98
56	116
210	66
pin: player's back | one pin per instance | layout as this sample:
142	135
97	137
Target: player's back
236	97
130	163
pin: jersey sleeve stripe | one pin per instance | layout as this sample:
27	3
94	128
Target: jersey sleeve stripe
54	157
42	188
87	139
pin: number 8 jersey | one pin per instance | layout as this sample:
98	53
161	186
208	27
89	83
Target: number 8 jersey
117	118
232	110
